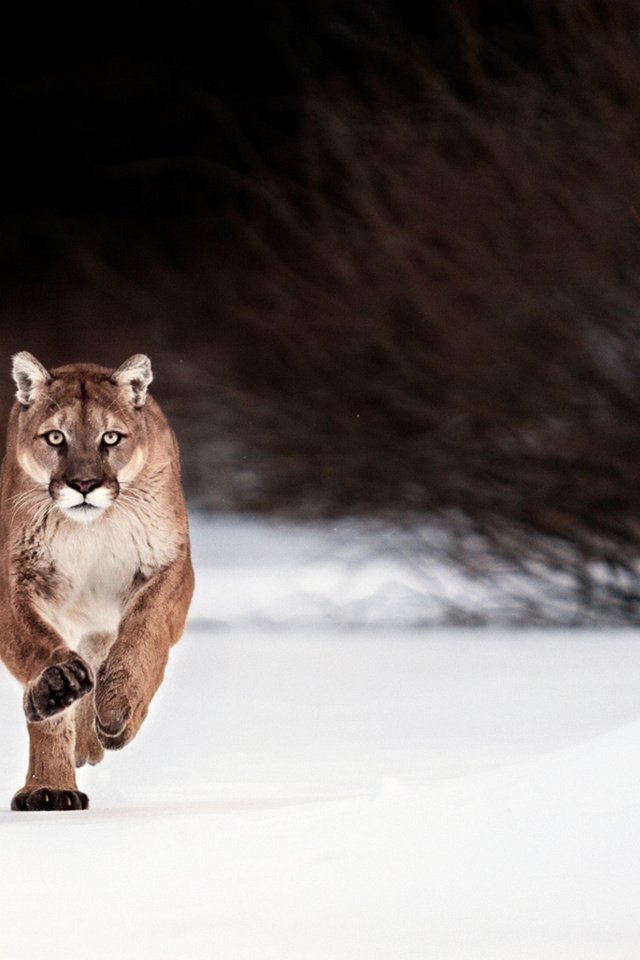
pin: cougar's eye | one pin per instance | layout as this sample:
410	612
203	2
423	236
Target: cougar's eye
111	437
55	438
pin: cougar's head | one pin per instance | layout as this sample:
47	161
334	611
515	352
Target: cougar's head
82	430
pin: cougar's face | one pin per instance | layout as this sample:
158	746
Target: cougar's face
82	438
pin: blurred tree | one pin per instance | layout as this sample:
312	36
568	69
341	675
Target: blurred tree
384	259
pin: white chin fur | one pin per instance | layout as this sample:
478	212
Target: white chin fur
83	509
82	513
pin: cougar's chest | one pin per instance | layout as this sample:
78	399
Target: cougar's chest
96	570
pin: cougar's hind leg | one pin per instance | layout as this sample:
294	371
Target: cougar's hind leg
88	748
51	778
95	649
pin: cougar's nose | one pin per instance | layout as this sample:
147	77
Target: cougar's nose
84	486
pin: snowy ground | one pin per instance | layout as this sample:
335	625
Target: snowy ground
315	783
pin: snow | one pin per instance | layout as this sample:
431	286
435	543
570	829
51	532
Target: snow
342	788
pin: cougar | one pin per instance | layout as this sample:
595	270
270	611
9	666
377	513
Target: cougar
95	568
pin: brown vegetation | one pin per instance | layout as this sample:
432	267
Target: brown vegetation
428	309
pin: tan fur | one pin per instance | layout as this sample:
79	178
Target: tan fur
95	571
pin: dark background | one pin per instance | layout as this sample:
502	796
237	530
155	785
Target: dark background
384	257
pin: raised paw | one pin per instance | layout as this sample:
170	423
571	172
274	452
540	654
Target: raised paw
57	688
115	728
114	735
119	708
46	798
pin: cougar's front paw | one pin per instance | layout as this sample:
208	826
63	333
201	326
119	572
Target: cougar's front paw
46	798
114	735
119	705
57	688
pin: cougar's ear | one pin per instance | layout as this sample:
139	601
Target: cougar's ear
29	376
135	376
